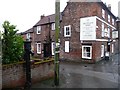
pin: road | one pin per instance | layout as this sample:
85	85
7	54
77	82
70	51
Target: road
75	75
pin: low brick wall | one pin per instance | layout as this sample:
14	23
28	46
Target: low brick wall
14	75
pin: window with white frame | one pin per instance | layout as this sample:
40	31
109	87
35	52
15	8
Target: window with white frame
113	21
102	50
103	32
103	13
108	32
87	52
38	29
112	48
53	48
39	48
53	26
67	46
108	18
67	31
28	36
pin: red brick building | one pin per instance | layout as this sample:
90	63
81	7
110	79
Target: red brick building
86	31
28	35
42	35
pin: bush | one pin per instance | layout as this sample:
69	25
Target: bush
12	44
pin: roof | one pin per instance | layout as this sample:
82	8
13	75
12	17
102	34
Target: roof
106	8
27	31
47	19
98	1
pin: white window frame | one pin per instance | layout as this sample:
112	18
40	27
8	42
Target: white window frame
67	46
113	21
53	26
53	48
109	32
102	50
112	48
69	26
103	31
103	13
108	18
38	29
38	51
90	52
28	36
106	32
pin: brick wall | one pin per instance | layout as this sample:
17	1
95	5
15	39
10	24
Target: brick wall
14	75
71	16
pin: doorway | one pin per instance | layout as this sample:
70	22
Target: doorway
47	50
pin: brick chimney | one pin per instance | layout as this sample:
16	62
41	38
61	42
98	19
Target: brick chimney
42	16
119	9
109	7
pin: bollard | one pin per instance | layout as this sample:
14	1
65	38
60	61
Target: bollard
27	49
107	56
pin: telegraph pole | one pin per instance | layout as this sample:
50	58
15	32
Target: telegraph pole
57	30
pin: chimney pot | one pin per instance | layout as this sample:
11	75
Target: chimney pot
42	16
109	7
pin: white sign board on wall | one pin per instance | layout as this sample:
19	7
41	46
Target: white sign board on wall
88	28
115	34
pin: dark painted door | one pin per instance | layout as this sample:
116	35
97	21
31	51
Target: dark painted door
47	50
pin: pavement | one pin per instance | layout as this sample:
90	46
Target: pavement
103	74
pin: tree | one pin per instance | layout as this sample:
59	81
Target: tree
12	44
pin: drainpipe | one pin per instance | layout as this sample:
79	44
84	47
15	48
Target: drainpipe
118	29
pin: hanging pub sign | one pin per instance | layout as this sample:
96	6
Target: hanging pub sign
88	28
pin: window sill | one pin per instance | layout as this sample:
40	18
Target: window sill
67	36
38	33
85	58
38	52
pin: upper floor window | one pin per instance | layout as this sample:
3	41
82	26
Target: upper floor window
108	18
103	31
103	13
53	26
109	32
28	36
38	29
67	31
113	21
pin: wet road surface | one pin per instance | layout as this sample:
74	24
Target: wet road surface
75	75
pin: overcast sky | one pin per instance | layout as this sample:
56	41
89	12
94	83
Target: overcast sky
26	13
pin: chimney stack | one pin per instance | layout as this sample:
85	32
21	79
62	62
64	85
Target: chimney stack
119	9
109	7
42	16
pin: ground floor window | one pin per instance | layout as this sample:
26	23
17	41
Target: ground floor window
87	52
67	46
39	48
112	48
53	48
102	50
